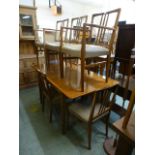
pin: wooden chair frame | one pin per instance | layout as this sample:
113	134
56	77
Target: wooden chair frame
104	107
79	21
64	22
38	48
101	34
46	91
84	30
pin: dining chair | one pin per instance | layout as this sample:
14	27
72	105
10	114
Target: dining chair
52	40
99	107
39	45
47	93
83	49
102	19
77	22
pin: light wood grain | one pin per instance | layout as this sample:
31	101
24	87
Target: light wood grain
70	84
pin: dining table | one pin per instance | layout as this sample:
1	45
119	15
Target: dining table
69	85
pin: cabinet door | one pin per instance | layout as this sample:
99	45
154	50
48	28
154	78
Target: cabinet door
31	77
22	79
26	23
30	62
27	20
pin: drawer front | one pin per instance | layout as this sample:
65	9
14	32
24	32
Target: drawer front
21	65
30	62
22	80
32	76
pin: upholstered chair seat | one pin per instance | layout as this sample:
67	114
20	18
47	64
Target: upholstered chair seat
82	111
91	50
53	46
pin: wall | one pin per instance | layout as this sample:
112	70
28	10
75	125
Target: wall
74	8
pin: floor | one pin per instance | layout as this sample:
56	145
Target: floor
39	137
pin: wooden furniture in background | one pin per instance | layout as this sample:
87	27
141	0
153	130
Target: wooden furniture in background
27	49
27	22
124	54
125	127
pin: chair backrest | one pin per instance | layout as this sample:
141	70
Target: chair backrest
97	19
76	22
104	36
59	24
102	103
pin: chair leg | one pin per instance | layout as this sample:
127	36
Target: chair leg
89	135
61	64
51	111
67	118
40	95
43	103
107	125
107	67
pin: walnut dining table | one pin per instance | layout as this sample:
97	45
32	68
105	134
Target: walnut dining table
69	86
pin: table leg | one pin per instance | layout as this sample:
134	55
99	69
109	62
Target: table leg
120	147
63	115
124	147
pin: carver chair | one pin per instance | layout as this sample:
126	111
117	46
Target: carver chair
77	22
103	45
52	41
98	108
39	44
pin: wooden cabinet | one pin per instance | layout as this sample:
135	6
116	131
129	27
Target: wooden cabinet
27	75
27	22
27	53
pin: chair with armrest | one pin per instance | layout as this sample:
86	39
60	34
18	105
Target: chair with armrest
104	19
77	22
98	108
103	44
39	45
52	40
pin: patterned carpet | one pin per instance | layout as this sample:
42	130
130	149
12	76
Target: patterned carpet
39	137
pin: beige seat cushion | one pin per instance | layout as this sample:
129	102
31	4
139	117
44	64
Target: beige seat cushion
82	111
55	46
91	50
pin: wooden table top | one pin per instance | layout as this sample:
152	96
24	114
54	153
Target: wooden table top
129	132
70	84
